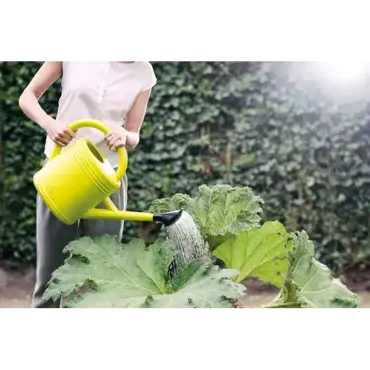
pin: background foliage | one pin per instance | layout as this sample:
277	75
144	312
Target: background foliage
300	144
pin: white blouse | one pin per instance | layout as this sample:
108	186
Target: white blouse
103	91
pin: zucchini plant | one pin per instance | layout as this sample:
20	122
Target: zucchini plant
102	272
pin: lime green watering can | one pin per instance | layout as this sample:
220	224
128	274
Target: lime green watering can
73	182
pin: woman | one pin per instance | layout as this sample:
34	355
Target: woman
115	93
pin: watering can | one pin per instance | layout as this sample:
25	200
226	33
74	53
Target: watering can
73	182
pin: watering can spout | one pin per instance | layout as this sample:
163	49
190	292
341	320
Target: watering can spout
168	218
112	213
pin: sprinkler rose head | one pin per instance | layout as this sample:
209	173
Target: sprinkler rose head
168	218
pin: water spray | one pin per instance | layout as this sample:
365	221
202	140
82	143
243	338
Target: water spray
188	241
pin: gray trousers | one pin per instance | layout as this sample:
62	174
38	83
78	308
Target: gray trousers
52	236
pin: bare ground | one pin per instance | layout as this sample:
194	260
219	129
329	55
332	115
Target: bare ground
16	285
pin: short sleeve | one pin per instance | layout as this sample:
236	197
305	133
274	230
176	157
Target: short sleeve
150	78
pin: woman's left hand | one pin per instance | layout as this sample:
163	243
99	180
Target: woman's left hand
116	138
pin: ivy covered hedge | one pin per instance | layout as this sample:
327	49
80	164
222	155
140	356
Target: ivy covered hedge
302	147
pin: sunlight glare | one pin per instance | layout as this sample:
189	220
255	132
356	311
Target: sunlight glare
345	72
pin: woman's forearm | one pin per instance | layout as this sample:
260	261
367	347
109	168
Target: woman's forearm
30	106
29	100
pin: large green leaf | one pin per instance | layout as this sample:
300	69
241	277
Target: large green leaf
310	284
260	252
218	211
134	276
200	285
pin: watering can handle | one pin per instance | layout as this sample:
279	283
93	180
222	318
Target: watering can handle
122	154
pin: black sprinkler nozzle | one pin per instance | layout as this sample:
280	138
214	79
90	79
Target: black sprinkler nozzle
168	218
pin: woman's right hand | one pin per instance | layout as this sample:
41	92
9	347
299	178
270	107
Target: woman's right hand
58	132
